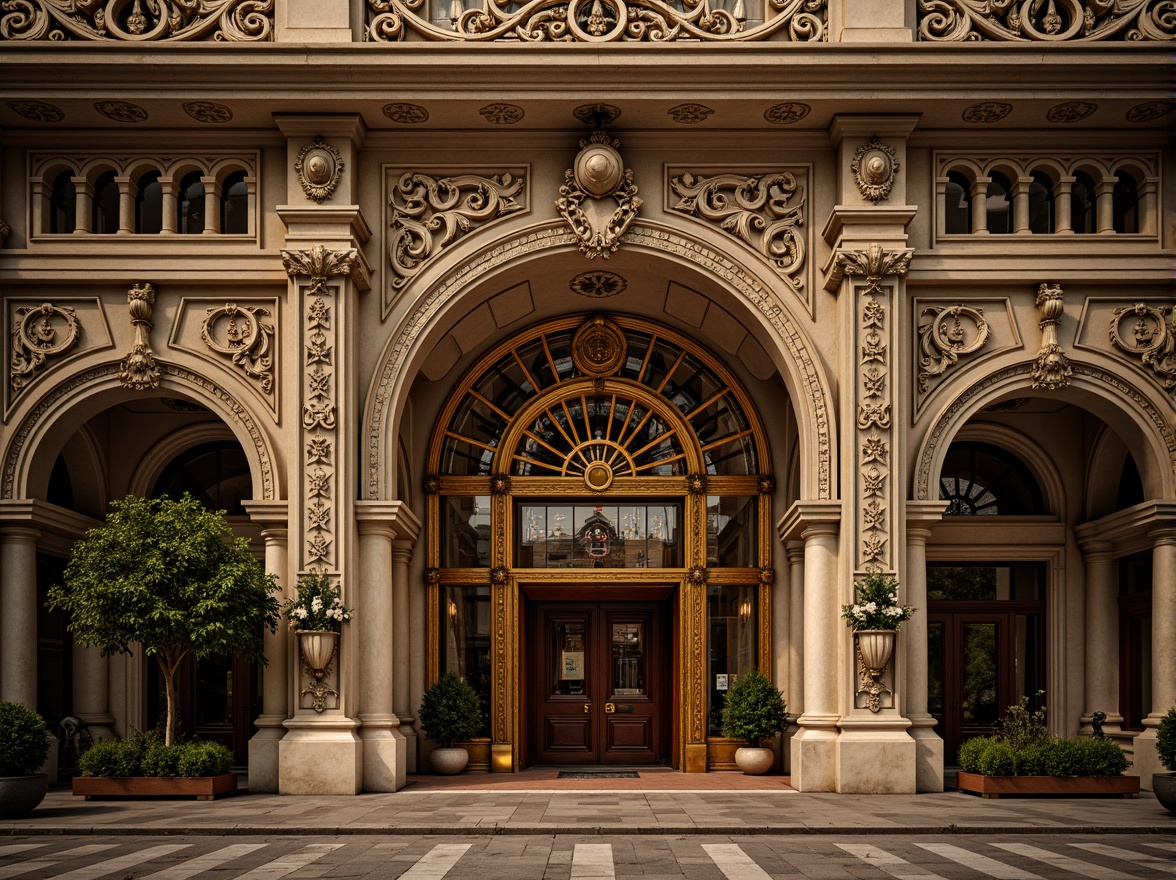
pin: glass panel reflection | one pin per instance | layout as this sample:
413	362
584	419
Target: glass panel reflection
570	658
465	640
628	655
732	531
935	669
465	531
732	642
599	536
981	670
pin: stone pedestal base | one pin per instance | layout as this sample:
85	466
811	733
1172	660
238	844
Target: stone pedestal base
928	756
876	761
384	759
412	747
263	757
1146	761
49	768
320	757
812	754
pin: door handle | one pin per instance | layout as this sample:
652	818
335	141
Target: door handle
609	708
587	708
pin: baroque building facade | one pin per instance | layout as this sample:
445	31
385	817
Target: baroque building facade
594	350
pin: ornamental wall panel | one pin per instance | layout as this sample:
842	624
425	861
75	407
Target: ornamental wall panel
1139	331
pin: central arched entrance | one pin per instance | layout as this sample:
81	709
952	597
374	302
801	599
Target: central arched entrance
600	562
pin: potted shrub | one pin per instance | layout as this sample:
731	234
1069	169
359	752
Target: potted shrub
450	711
1164	784
143	765
1024	759
753	710
171	576
875	618
24	746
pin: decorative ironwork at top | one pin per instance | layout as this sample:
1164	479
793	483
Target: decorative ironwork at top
594	21
139	21
1046	20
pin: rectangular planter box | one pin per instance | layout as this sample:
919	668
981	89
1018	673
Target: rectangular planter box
203	788
1070	786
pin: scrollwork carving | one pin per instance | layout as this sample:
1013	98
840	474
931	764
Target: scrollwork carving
771	205
597	178
595	21
170	21
239	334
944	339
1054	20
1153	338
39	333
430	213
1051	367
138	369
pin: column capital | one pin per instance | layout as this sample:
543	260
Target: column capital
923	514
1095	550
395	517
268	514
1163	536
803	516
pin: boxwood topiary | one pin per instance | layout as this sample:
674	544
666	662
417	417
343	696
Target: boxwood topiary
113	758
24	744
998	759
161	760
1166	740
753	709
450	711
970	752
203	759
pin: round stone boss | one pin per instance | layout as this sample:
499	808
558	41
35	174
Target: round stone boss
599	170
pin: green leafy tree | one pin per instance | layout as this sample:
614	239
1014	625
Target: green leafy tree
171	576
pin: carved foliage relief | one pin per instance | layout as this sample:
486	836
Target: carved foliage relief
139	369
1145	332
38	334
1051	368
428	213
595	21
138	20
1051	20
241	334
766	210
948	334
598	199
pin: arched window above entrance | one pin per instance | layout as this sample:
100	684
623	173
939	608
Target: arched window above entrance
980	479
216	473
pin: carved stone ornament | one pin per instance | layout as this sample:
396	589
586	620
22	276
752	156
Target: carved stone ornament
1147	112
598	199
874	168
170	21
138	369
875	263
36	111
502	114
39	333
787	112
240	334
987	112
320	264
598	348
319	167
594	21
208	112
944	339
764	210
689	114
1152	338
406	114
1051	368
598	285
431	213
1051	21
1070	111
121	111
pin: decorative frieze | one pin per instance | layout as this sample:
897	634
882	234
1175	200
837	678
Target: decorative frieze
240	334
39	333
1051	368
427	214
598	199
170	21
1152	339
594	21
765	210
138	369
951	333
1078	20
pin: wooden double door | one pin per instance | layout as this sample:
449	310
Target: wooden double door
599	682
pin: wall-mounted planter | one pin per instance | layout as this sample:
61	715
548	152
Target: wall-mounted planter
1071	786
203	788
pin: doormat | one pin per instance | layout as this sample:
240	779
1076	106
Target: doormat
605	774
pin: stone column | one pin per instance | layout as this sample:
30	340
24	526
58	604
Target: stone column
1163	682
170	205
792	661
83	205
18	620
980	205
1062	205
127	193
1104	206
212	205
928	744
91	691
383	744
275	677
401	651
1102	634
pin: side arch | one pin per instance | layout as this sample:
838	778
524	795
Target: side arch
801	372
1040	464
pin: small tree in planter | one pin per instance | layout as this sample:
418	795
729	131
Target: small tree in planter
754	710
1164	784
171	576
450	711
24	746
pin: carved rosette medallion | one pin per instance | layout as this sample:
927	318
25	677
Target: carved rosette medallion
138	369
37	111
319	167
430	213
1150	111
39	333
1051	367
598	285
1071	111
597	114
169	21
593	21
501	114
320	342
240	334
121	111
208	111
987	112
951	333
1151	337
874	168
787	112
406	114
766	211
598	348
1054	21
689	114
598	199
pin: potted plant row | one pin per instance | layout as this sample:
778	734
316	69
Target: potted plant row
24	746
754	710
143	765
1022	758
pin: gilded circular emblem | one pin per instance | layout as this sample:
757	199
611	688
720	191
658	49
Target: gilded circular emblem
598	348
598	476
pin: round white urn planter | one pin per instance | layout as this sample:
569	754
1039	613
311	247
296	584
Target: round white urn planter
755	760
449	761
876	645
21	794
